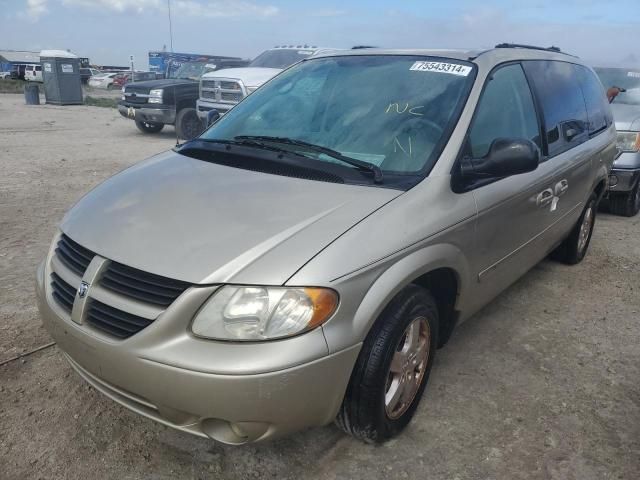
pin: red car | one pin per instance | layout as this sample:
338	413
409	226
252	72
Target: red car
125	77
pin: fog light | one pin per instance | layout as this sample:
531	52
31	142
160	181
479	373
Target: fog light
613	180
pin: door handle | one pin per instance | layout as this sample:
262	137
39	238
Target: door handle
544	197
561	187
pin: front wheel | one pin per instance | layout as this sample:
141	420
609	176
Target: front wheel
627	204
392	369
149	127
188	124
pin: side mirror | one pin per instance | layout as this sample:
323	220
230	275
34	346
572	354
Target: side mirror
212	117
506	157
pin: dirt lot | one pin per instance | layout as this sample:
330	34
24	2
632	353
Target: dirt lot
542	384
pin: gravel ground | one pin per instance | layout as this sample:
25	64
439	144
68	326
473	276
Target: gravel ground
542	384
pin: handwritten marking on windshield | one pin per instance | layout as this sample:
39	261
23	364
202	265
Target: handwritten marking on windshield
411	110
407	151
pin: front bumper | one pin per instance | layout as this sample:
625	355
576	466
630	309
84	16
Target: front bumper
625	172
203	107
160	114
233	393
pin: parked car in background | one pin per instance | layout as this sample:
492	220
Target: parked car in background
17	71
170	101
624	183
303	259
5	75
33	72
121	79
102	80
222	89
87	73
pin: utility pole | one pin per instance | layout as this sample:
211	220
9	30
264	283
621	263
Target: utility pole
170	26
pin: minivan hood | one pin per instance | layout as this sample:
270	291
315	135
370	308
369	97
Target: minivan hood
205	223
627	117
250	76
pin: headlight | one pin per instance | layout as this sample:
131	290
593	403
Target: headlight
263	313
123	89
628	141
155	96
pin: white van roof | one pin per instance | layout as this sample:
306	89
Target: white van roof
57	54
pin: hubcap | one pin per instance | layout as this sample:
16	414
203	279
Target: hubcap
407	368
585	229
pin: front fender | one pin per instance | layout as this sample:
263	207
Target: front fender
361	306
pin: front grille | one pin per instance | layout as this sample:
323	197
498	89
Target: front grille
230	97
62	292
102	311
230	85
228	91
135	88
132	99
113	321
74	256
129	90
142	286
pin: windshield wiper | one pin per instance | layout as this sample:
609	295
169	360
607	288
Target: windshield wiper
248	142
362	165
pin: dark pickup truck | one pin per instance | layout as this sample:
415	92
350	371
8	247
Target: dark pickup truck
153	104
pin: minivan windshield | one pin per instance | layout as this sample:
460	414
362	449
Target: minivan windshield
628	79
392	112
280	58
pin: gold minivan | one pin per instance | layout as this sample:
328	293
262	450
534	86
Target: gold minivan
302	260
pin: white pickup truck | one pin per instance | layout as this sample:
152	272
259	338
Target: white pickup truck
222	89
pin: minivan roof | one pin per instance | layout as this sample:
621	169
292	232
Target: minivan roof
499	54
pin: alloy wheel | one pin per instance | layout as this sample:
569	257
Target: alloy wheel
585	229
407	368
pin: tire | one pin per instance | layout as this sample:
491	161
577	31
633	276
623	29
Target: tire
188	124
626	204
574	248
367	411
149	127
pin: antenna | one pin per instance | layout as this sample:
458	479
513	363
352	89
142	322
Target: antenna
169	69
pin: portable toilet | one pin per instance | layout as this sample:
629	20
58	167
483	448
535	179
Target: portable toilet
61	77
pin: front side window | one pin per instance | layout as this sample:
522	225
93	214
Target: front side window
505	110
395	112
563	106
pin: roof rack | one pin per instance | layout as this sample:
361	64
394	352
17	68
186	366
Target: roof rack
532	47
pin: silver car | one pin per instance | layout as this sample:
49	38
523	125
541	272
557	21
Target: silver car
623	86
304	258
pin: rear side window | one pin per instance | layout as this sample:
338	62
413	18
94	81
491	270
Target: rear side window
506	110
595	98
565	115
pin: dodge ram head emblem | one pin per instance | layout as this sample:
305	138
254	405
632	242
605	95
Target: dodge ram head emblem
83	289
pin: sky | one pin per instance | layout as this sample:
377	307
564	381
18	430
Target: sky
108	31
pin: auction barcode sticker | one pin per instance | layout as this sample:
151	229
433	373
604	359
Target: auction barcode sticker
442	67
